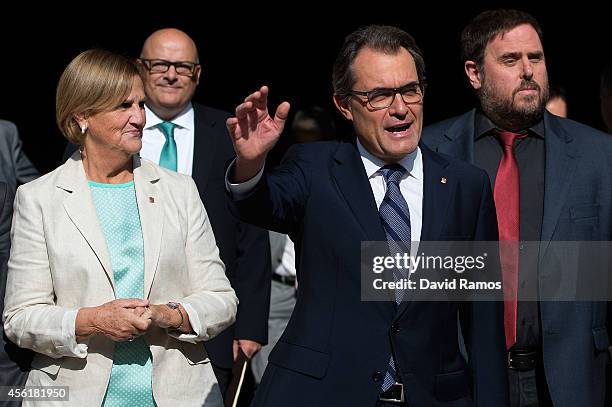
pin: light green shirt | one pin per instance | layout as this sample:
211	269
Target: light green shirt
117	209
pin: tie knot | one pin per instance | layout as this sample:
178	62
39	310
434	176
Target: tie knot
507	137
168	129
393	173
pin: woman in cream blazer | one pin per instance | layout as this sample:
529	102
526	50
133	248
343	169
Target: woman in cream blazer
63	294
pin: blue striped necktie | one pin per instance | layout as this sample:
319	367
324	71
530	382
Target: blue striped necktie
395	218
167	158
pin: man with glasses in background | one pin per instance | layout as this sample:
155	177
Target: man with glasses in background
192	139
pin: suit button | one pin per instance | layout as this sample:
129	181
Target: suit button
377	376
395	328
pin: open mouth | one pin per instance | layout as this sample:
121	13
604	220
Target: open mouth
399	131
400	128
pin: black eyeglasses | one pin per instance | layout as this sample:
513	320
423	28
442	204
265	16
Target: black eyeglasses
185	68
382	98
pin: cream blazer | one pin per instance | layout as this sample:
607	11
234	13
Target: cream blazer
59	263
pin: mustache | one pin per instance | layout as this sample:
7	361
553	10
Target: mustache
527	85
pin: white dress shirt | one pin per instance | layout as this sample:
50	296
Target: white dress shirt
287	263
411	185
153	138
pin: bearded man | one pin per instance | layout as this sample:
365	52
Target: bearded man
551	179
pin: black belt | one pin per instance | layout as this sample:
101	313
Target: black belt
522	359
393	395
288	280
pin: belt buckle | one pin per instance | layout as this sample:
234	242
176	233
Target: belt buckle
287	280
521	360
395	394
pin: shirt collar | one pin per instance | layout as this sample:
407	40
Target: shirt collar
483	125
413	162
183	120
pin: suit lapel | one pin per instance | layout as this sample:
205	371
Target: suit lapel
438	188
458	140
560	166
150	207
352	181
79	207
204	147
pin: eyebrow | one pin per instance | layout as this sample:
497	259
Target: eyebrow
514	55
536	54
132	100
169	62
517	55
413	83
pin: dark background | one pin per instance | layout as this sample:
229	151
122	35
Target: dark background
291	48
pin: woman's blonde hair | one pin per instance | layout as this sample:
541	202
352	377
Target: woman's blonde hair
95	81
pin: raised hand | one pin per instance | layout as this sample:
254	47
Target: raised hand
254	132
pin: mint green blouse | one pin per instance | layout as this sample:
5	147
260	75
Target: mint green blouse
117	209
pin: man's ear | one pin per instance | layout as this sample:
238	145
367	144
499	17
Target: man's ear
474	74
343	106
196	74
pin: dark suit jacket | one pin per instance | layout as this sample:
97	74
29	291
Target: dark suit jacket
244	249
15	167
577	207
14	361
336	347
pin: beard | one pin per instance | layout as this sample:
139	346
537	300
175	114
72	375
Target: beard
511	113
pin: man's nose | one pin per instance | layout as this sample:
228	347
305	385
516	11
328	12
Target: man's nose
171	74
527	69
398	106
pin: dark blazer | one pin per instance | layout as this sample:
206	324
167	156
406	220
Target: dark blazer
244	249
15	167
335	349
577	207
14	361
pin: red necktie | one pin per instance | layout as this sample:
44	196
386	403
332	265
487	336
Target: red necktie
507	202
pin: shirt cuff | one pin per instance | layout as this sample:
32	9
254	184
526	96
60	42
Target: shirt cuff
69	345
194	321
243	189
